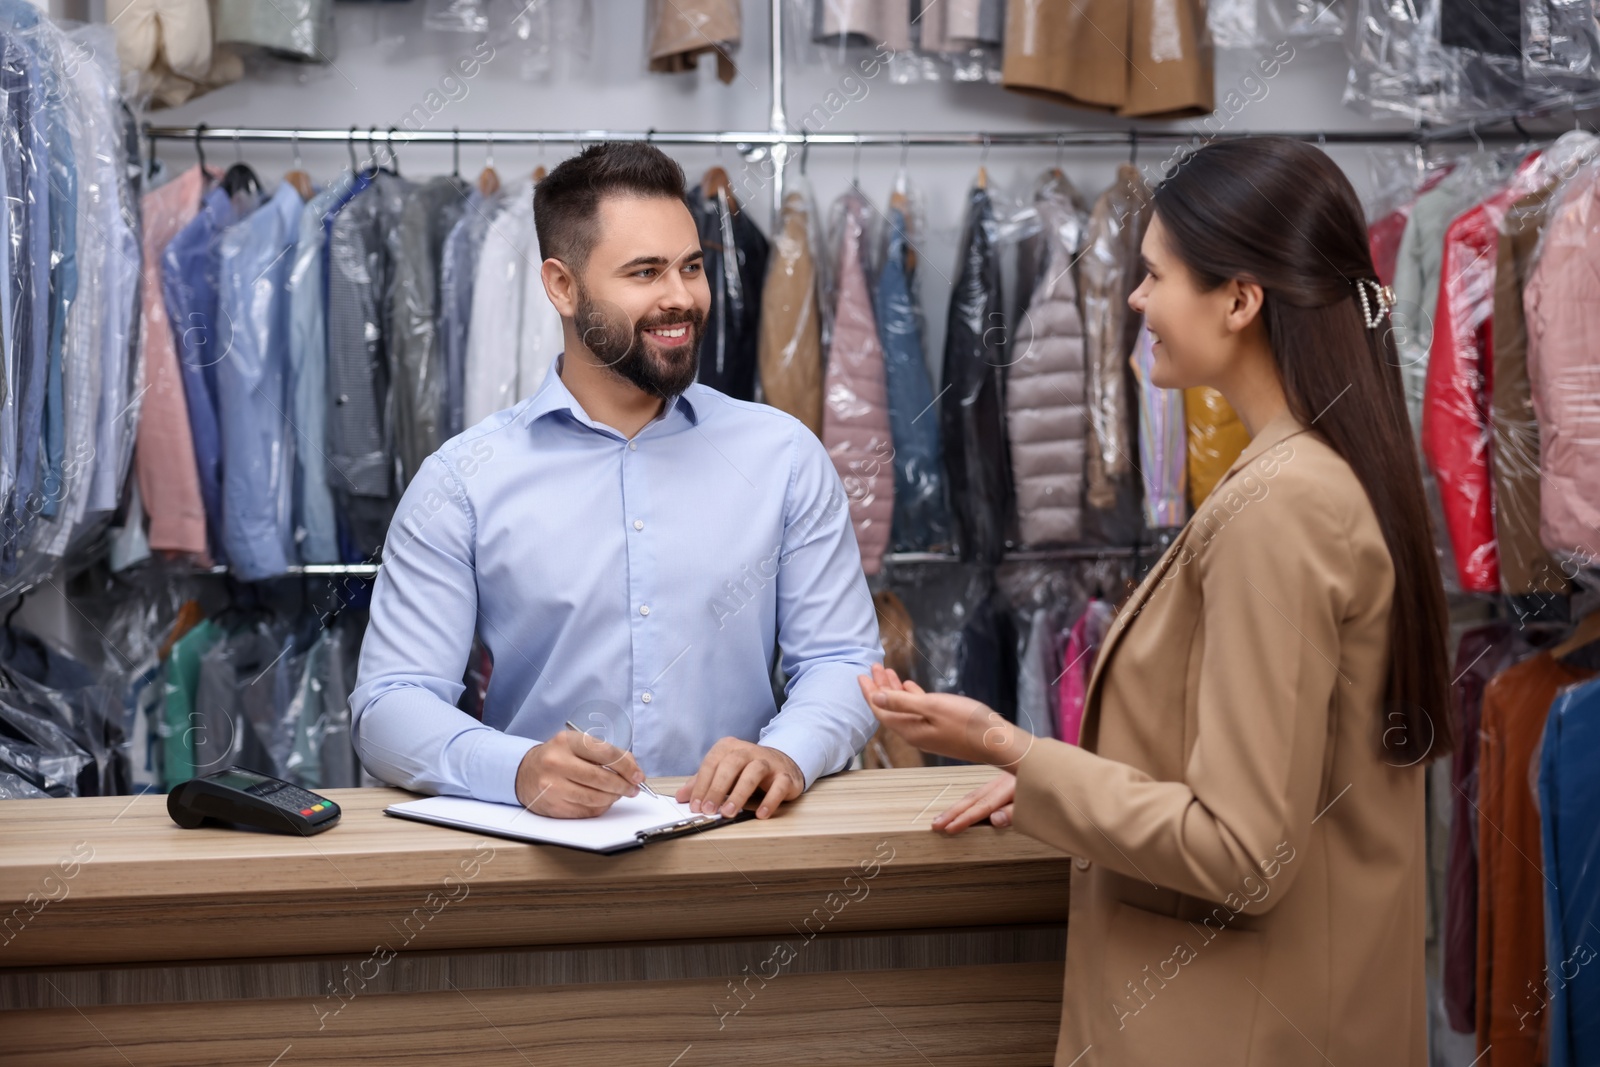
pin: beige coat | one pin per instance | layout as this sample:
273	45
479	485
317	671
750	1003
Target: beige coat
1248	881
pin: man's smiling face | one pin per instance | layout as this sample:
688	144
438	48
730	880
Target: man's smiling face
642	297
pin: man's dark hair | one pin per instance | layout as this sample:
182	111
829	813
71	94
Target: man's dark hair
566	203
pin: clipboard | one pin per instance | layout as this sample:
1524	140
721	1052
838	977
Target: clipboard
631	822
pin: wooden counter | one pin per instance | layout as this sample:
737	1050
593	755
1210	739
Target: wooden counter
841	931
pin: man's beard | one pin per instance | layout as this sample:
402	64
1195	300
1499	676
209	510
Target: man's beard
621	348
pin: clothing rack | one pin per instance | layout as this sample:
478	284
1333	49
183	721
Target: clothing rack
780	139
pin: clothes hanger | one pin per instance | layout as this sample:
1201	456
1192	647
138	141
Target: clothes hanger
716	181
897	196
539	172
240	178
983	172
488	180
455	152
1055	171
350	144
298	177
394	157
1585	633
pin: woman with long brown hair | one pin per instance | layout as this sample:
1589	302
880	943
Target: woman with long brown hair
1245	803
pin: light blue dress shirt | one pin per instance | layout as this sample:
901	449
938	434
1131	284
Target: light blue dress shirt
316	529
189	283
252	390
648	581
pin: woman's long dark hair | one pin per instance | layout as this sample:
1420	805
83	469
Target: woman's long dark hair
1281	214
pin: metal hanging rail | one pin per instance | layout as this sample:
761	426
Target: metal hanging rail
758	138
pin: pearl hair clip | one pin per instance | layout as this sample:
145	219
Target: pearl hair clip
1381	303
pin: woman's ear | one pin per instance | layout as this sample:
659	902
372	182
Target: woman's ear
1244	303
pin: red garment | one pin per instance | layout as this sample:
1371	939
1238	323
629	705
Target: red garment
1383	237
1455	405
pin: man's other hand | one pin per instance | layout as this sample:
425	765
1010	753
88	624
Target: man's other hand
567	777
735	769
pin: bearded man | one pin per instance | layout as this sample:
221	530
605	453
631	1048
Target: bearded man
637	551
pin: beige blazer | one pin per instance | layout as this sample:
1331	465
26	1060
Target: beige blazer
1248	877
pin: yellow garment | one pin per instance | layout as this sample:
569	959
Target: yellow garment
1216	437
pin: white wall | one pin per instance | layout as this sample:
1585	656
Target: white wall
387	64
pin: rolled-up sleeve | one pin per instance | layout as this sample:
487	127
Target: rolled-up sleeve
827	627
407	728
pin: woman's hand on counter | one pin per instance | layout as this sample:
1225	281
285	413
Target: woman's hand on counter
944	723
993	801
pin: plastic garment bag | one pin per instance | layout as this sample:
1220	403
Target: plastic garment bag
790	351
1262	24
1416	272
1108	272
458	264
1216	437
491	377
1561	300
1162	440
1045	415
1460	60
295	29
252	388
735	266
361	439
314	745
115	217
1456	429
972	405
921	521
540	41
855	410
315	529
415	350
1526	567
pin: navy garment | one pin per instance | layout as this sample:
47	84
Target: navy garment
189	275
972	407
736	274
61	259
920	521
1569	805
26	160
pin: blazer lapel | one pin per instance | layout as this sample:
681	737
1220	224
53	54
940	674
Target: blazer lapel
1281	427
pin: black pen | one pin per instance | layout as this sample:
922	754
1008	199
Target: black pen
642	785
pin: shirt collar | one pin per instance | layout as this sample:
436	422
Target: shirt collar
554	396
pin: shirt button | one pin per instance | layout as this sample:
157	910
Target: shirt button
1081	863
638	524
644	609
646	697
633	446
